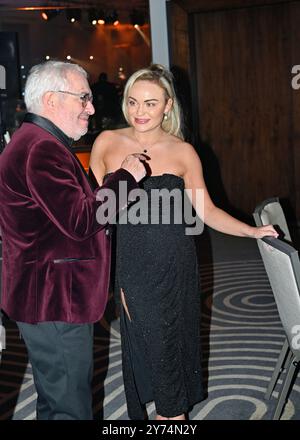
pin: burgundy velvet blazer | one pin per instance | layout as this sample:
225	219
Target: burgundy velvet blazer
56	257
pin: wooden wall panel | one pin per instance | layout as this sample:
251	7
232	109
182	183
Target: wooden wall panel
179	37
294	136
249	115
181	64
192	6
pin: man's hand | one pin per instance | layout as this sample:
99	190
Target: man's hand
134	164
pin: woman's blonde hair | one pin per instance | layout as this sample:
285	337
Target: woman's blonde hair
159	75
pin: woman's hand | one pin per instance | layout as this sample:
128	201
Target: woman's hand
135	164
264	231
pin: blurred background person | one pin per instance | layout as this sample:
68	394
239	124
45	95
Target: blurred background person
107	103
20	113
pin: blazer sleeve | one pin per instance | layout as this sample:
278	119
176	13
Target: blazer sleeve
52	179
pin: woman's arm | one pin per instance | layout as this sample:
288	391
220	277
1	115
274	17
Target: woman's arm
213	216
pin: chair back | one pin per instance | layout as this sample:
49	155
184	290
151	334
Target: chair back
270	212
282	265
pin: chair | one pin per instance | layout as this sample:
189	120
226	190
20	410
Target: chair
282	265
271	212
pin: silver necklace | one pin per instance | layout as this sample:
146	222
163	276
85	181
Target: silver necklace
145	149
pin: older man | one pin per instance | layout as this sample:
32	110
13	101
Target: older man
56	257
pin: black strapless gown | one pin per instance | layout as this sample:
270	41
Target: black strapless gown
156	266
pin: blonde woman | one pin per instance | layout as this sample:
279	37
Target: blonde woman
156	265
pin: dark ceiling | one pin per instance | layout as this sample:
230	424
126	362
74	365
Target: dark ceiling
121	5
127	5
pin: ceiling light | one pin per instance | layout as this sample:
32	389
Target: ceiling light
111	17
137	18
100	16
73	15
92	14
49	14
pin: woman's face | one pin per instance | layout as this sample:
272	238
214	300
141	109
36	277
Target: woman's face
146	105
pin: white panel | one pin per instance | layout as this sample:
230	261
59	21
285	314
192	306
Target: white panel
159	32
2	77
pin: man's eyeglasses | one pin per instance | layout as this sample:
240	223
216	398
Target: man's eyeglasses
84	97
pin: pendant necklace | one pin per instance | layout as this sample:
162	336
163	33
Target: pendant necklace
145	149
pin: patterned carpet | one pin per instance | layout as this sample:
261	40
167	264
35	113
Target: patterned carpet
241	340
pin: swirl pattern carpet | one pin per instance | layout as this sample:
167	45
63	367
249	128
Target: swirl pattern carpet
241	340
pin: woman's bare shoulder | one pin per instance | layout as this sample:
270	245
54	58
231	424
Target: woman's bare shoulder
181	146
108	136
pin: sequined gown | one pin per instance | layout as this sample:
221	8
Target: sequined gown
156	266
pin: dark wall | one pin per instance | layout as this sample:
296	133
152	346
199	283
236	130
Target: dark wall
111	46
10	78
9	58
248	113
